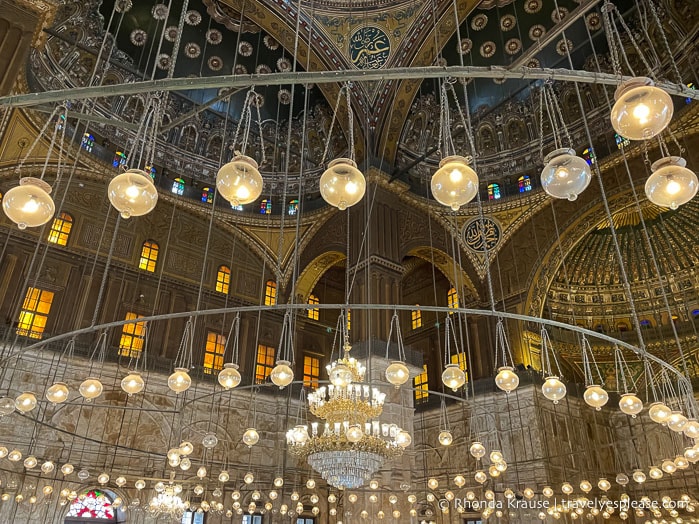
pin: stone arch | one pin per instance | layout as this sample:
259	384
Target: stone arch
516	132
487	139
448	267
314	271
189	136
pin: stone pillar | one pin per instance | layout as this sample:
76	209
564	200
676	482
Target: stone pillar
21	22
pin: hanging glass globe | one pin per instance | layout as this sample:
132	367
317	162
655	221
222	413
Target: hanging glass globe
493	471
282	375
67	469
547	492
691	429
676	421
140	484
300	434
29	204
567	488
340	376
30	462
604	484
454	184
209	441
103	478
553	389
311	483
528	493
565	174
133	383
185	464
501	466
90	389
681	462
460	481
249	478
120	481
671	184
179	381
224	476
3	452
630	404
57	393
229	376
496	456
656	473
25	402
596	397
477	450
342	185
278	482
638	476
432	483
48	467
173	453
354	433
692	455
668	466
397	373
133	193
403	438
622	479
201	472
14	456
239	181
186	448
445	438
251	437
506	379
480	477
453	377
641	110
7	406
659	412
83	474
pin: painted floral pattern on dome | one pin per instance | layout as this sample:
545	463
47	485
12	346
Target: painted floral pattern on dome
171	33
215	63
537	31
263	69
123	6
558	14
479	22
508	22
284	96
214	36
466	46
245	48
563	47
284	65
488	49
593	21
192	50
138	37
159	11
513	46
270	43
163	61
240	69
533	6
192	17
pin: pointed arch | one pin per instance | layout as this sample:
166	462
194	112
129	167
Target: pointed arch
315	269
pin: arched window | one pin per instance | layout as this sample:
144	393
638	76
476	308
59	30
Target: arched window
421	386
223	279
589	155
120	159
60	229
266	207
525	183
621	142
149	256
622	326
493	191
178	186
452	298
213	353
151	171
34	313
695	313
313	313
293	207
207	196
93	504
88	142
645	323
416	318
690	86
270	293
132	337
236	207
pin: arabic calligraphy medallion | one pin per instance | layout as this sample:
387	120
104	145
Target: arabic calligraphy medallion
369	48
479	236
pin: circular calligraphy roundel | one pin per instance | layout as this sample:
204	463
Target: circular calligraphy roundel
369	48
481	234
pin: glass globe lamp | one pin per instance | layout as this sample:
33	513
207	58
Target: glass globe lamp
340	376
596	397
140	484
30	462
681	462
310	483
553	389
567	488
671	184
300	434
133	193
224	476
676	422
641	110
453	376
622	479
251	437
432	483
282	375
120	481
83	474
668	466
14	456
103	478
659	412
506	379
604	484
186	448
454	184
7	406
547	492
342	185
630	404
67	469
565	175
48	467
638	476
692	455
656	473
133	383
445	438
201	472
278	482
229	376
691	429
57	393
477	450
528	493
29	204
249	478
397	373
460	481
496	456
179	381
403	438
209	441
25	402
354	433
90	389
239	181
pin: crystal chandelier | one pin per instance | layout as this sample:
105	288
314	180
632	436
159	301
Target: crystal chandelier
168	502
353	444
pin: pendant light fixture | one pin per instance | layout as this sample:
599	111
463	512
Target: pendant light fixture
671	184
506	378
595	395
397	372
453	376
229	377
282	375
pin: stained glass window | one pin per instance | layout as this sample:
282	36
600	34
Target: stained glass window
589	155
525	183
236	207
293	207
178	186
690	86
120	159
88	142
493	191
621	142
266	207
207	195
93	504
